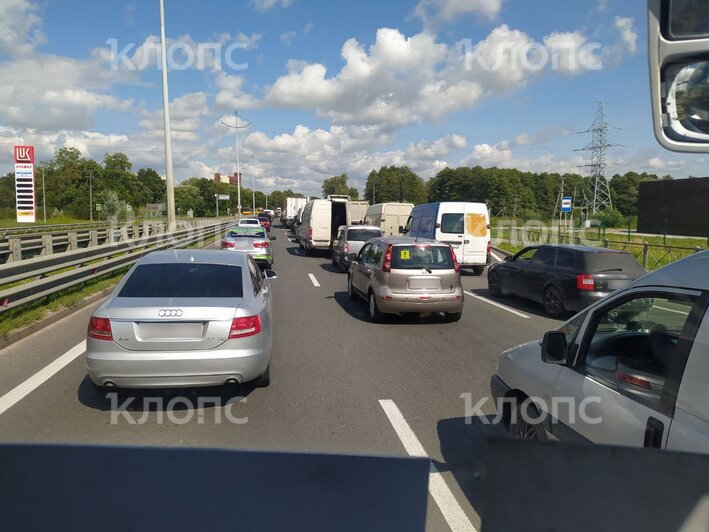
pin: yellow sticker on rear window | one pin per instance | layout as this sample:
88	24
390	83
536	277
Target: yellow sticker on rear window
404	254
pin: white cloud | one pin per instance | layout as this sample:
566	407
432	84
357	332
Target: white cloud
20	31
308	28
231	95
569	54
601	5
656	163
436	13
628	35
268	5
501	155
288	36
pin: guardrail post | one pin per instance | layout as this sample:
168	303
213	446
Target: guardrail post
110	236
646	250
124	233
47	245
15	247
136	231
605	243
72	241
146	229
93	238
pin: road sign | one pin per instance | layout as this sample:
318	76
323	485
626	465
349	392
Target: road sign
99	207
223	197
24	184
566	205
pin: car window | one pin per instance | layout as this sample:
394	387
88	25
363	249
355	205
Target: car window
526	255
246	232
453	223
364	252
545	256
571	327
362	235
631	346
422	256
255	274
376	255
565	259
184	280
340	234
611	261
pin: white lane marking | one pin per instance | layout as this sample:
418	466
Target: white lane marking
684	313
437	487
21	391
496	257
498	305
314	280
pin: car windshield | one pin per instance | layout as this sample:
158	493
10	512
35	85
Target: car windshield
184	281
416	257
245	233
362	235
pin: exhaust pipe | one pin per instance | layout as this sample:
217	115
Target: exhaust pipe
232	381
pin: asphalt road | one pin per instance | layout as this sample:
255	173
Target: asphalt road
340	384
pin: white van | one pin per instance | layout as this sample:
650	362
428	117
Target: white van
465	226
389	217
320	221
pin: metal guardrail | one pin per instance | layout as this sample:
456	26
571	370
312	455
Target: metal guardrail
17	246
44	276
651	256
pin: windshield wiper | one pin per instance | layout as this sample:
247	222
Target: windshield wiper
611	270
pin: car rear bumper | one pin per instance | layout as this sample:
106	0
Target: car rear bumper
581	300
141	369
392	303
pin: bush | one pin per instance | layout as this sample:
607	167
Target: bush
611	218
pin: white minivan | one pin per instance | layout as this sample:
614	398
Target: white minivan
632	369
389	217
465	226
319	222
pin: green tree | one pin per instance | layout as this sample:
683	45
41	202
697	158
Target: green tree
337	185
153	183
395	184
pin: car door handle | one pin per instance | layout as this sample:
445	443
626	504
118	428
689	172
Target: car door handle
653	433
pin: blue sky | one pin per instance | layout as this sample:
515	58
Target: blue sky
332	87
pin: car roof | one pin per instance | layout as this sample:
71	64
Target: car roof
361	226
409	241
194	256
580	249
691	272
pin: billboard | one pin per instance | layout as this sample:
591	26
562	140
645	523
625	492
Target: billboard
24	184
678	207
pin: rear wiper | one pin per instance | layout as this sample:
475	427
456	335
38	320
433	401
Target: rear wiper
429	270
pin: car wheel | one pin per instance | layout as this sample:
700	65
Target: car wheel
553	305
522	423
334	261
452	317
350	288
493	284
478	270
374	314
300	244
265	379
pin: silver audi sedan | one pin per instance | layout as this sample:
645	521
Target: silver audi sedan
184	318
252	240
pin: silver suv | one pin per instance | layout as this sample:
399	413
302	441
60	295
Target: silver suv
350	239
397	275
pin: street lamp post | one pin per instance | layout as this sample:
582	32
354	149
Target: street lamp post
91	195
237	127
169	179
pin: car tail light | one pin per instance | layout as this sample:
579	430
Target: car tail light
386	267
456	264
310	233
261	245
100	328
346	248
636	381
585	282
243	327
227	244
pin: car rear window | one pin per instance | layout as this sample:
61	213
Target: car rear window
599	262
184	280
246	233
423	256
452	223
362	235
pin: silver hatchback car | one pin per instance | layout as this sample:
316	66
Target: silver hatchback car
184	318
252	240
397	275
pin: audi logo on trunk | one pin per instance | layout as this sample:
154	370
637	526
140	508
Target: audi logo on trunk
170	313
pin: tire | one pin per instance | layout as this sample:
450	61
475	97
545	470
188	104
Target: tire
452	317
520	426
374	314
334	262
553	302
264	379
300	244
350	289
493	284
478	270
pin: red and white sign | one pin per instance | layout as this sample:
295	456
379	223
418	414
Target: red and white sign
24	184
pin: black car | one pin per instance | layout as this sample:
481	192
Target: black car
563	277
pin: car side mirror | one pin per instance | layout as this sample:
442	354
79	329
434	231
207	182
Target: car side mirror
273	238
402	230
554	348
270	274
509	258
352	257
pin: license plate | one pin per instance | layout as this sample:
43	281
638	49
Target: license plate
170	331
619	283
425	283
